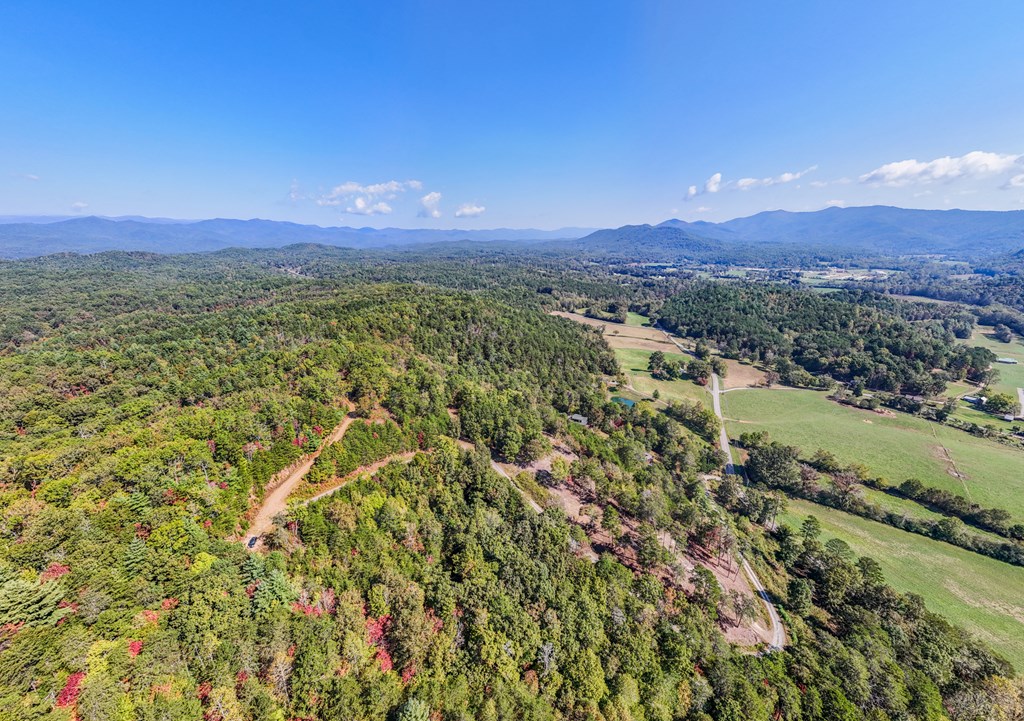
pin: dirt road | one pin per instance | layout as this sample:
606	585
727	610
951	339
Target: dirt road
467	446
276	501
371	469
778	631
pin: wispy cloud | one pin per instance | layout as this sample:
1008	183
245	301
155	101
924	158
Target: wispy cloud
835	204
469	210
429	205
971	165
27	176
715	184
782	178
79	206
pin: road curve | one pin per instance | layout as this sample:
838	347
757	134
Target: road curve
467	446
276	501
778	631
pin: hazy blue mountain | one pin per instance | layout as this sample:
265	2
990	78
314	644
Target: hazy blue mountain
880	229
92	234
648	242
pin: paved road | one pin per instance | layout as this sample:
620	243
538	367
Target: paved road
778	631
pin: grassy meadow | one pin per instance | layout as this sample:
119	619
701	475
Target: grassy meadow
981	594
896	446
1011	377
633	362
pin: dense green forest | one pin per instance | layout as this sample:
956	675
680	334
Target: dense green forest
146	403
854	337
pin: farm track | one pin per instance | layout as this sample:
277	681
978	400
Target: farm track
778	631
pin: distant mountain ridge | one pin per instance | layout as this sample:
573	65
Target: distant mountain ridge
825	235
876	228
94	234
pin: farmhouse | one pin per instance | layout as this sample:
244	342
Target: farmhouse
1008	361
577	418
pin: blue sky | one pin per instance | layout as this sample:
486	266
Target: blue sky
526	114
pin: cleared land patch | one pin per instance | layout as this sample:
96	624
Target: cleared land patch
634	364
896	446
1011	377
741	375
633	345
981	594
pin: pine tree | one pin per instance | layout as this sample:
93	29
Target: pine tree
135	557
28	603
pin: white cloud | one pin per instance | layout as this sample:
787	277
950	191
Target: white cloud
430	203
703	209
711	185
974	164
363	199
1016	181
469	210
79	206
362	206
818	183
835	204
714	184
748	183
30	176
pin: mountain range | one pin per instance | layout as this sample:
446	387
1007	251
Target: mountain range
829	233
94	234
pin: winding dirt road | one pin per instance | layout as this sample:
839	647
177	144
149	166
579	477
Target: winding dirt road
276	501
778	631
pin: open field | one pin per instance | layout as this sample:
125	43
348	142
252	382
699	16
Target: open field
634	364
896	447
957	389
741	375
978	593
1011	377
633	344
628	335
972	414
636	320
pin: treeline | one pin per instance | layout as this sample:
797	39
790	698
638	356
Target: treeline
849	337
776	466
996	520
995	296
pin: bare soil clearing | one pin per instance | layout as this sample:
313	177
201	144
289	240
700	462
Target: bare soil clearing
741	375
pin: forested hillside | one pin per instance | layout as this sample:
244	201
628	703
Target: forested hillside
854	338
148	403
